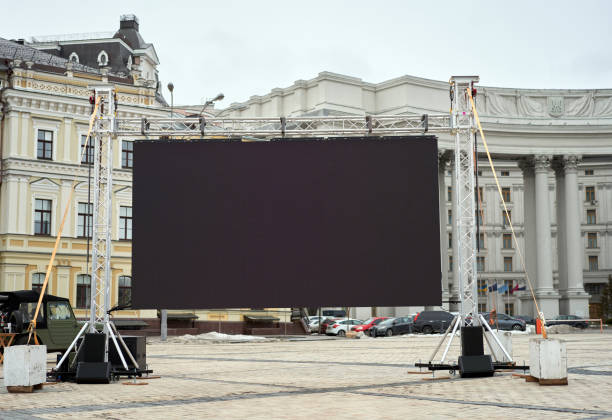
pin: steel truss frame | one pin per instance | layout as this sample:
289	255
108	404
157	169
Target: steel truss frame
459	123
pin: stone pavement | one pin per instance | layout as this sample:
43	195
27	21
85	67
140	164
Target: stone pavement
335	379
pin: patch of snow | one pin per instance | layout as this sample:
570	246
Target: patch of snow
215	337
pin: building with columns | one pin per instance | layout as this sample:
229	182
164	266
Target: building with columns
552	152
44	113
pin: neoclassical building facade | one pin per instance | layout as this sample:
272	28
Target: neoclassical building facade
552	152
45	112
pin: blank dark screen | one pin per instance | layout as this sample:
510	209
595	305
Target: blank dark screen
286	223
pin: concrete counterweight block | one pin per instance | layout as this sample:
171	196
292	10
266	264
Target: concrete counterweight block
548	361
505	338
25	368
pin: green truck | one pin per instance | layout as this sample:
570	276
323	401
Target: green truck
56	325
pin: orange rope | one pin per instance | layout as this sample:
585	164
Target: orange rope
522	259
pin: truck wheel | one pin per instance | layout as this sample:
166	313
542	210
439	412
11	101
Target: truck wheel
17	320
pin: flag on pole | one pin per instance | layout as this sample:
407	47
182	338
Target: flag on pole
502	289
493	288
483	288
515	288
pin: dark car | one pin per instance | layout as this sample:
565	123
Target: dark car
393	326
529	320
505	322
570	320
428	322
56	325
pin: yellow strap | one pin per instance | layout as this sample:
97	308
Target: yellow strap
499	189
32	327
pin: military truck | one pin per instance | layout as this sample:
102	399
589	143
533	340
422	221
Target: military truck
56	325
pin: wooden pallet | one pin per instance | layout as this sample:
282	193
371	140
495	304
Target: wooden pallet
25	389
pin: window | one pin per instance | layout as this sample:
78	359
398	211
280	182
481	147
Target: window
479	173
42	217
450	263
482	307
592	240
127	154
480	263
479	215
84	220
589	193
449	173
103	58
450	217
507	241
482	287
481	243
507	217
450	240
509	308
507	264
506	194
83	295
593	288
591	217
125	223
505	173
449	194
37	282
125	290
87	157
593	263
588	172
59	311
44	147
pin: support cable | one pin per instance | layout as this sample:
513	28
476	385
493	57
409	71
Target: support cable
484	142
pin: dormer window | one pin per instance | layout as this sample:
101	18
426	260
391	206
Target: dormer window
129	63
103	58
73	58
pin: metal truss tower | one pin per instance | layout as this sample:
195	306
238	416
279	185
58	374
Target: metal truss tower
463	129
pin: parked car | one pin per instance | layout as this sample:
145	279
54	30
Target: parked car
567	320
324	323
529	320
340	327
505	322
368	324
428	322
393	326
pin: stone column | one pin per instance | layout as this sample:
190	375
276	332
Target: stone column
547	296
9	204
442	160
574	300
25	138
24	206
64	194
529	250
68	140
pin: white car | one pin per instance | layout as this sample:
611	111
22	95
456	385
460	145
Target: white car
341	326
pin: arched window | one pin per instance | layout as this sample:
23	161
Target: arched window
125	290
37	282
73	58
103	58
83	295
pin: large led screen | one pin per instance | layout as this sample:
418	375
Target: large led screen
286	223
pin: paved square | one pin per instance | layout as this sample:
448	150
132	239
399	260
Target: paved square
334	379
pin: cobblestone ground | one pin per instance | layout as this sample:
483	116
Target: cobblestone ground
335	379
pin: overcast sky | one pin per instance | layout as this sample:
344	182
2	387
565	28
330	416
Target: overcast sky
244	48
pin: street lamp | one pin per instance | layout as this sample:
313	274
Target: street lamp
219	97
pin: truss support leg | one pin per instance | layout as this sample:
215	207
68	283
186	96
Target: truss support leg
450	327
457	323
65	355
110	331
483	322
125	347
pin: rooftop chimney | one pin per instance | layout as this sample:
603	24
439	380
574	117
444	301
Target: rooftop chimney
128	22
